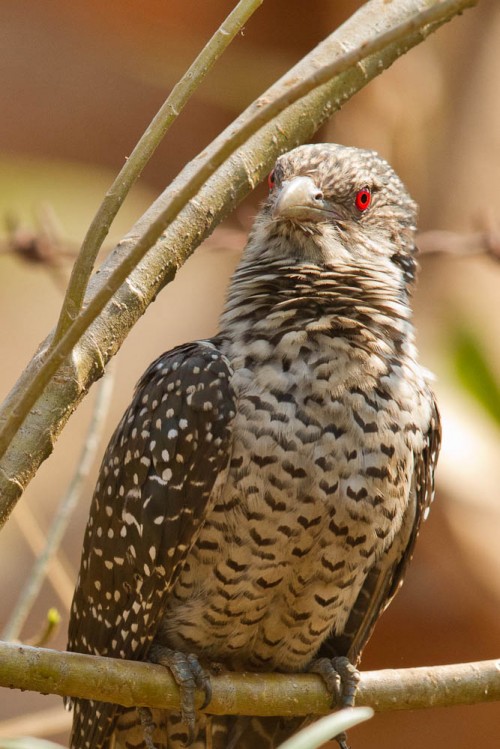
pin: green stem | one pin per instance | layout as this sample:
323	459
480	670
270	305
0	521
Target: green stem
140	156
423	22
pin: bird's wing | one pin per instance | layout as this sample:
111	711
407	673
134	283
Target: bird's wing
385	577
160	474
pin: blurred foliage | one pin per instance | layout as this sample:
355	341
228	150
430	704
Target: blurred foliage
475	371
28	742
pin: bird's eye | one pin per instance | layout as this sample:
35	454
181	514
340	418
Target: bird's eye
363	199
271	180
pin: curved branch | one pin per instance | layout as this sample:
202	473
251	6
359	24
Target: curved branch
28	440
144	149
130	683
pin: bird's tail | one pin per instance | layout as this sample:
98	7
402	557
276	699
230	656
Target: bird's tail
260	733
156	729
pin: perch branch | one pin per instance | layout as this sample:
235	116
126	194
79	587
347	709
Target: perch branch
130	683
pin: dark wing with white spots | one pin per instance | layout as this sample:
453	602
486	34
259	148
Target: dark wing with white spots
162	471
386	577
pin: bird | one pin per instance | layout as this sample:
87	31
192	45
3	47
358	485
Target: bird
259	502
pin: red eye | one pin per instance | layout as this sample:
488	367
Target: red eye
363	199
271	180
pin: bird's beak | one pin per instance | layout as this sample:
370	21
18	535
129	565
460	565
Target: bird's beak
300	199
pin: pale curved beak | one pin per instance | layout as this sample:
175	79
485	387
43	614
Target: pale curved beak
300	199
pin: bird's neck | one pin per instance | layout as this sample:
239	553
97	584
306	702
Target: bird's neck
326	307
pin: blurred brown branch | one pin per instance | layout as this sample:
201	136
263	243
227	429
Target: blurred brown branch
121	292
53	536
47	722
59	570
130	683
460	244
45	245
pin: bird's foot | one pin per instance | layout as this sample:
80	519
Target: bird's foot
189	676
341	679
340	676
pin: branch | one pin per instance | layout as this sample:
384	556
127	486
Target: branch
143	151
61	573
443	242
48	722
64	512
130	683
27	438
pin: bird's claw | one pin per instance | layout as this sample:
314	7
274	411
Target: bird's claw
341	740
201	678
189	676
341	679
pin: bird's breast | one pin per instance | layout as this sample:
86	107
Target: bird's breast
318	485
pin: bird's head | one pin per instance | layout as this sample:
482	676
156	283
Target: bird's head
339	207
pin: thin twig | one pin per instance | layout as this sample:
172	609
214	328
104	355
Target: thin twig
63	514
424	22
63	582
45	246
438	242
140	156
130	683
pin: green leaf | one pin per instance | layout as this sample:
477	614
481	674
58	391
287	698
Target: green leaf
327	728
475	371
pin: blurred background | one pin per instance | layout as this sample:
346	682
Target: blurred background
79	83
